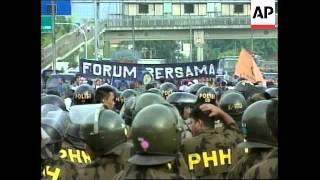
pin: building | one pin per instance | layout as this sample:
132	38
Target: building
187	8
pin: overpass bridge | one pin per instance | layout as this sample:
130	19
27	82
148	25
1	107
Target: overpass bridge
116	28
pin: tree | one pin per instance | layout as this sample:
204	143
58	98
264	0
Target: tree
267	48
161	49
73	63
60	30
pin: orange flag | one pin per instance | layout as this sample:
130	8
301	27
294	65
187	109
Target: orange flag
247	68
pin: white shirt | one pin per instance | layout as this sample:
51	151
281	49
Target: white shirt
67	102
183	88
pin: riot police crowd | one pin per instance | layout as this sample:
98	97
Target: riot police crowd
200	132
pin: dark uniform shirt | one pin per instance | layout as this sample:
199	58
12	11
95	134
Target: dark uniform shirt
211	153
267	169
174	170
247	161
108	165
75	154
58	170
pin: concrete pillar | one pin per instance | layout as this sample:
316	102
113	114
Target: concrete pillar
198	39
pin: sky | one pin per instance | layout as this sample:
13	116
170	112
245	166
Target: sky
81	11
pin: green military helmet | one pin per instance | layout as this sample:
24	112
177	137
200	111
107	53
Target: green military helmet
45	138
234	104
227	92
256	97
54	117
84	94
261	87
241	86
271	93
50	146
126	112
195	87
255	121
206	95
145	100
53	124
272	117
167	88
78	115
103	131
247	89
154	90
126	94
46	108
55	100
156	135
180	100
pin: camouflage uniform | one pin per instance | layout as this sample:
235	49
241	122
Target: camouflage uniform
267	169
52	132
157	155
259	139
58	170
177	170
246	162
105	134
107	166
76	155
209	141
74	148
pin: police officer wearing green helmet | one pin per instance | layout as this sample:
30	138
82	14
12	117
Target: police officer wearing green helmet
184	102
234	104
156	135
167	88
52	135
211	151
259	140
74	147
106	134
268	168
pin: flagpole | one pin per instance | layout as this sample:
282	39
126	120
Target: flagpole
251	41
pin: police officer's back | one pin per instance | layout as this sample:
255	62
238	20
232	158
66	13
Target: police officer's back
210	152
156	135
74	147
268	168
52	133
106	135
234	104
259	139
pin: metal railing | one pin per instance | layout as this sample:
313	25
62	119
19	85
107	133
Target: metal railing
174	21
64	45
71	40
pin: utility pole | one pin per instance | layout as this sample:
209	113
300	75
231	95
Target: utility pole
96	28
53	18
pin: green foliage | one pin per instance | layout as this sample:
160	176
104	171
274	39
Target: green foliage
160	49
60	30
267	48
